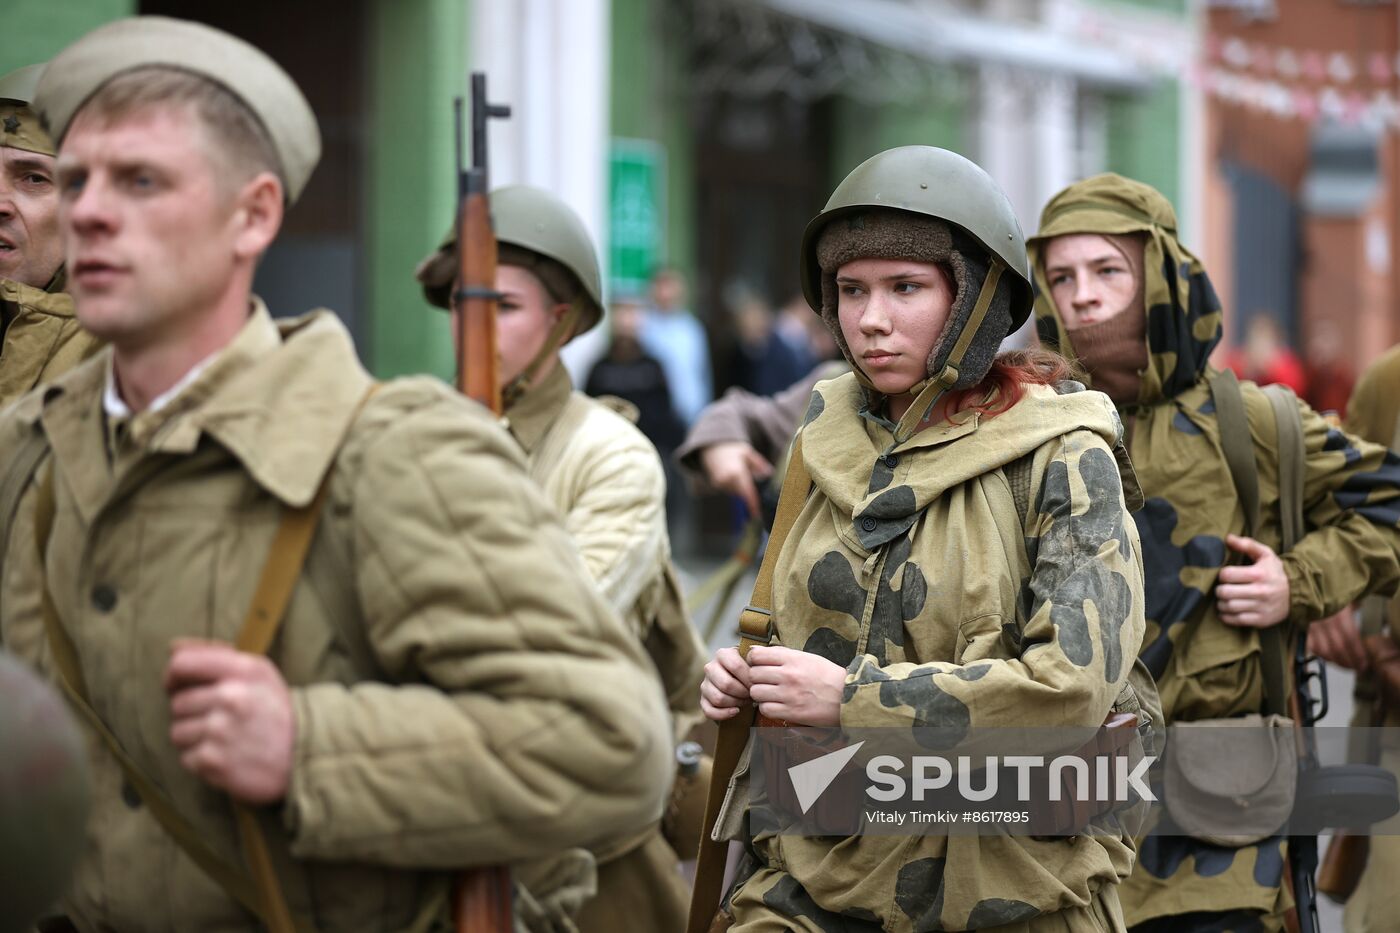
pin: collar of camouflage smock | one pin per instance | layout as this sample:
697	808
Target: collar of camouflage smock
20	129
535	412
280	397
885	489
1183	312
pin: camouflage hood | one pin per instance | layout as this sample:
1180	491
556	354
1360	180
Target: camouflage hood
1183	312
875	485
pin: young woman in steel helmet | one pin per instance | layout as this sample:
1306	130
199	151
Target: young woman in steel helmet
913	590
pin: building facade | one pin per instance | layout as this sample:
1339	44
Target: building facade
1301	195
700	134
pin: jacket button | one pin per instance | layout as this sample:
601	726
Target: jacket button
869	524
104	597
129	796
891	461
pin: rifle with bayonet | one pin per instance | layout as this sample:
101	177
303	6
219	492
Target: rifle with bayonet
481	898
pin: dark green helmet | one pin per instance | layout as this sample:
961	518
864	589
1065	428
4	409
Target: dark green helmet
43	795
985	239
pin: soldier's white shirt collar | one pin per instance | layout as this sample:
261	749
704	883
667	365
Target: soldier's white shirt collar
117	409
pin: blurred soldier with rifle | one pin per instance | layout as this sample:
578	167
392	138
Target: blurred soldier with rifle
329	643
605	478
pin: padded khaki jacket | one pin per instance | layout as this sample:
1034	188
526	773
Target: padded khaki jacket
463	698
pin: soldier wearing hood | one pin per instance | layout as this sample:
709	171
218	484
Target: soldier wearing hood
897	602
39	334
605	478
1116	290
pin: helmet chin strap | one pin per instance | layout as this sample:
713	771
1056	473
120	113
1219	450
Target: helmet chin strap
558	335
930	390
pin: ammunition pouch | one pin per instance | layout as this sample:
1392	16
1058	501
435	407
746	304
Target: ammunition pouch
1239	773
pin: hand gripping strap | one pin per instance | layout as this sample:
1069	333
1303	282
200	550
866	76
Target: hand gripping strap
262	894
755	626
1237	443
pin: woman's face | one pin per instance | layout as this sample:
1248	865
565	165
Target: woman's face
1090	279
892	312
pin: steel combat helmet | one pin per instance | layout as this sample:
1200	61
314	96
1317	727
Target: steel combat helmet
535	221
928	204
537	231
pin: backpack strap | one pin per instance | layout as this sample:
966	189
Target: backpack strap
755	628
1238	445
1292	462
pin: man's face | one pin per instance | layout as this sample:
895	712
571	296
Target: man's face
150	229
667	291
1091	280
31	249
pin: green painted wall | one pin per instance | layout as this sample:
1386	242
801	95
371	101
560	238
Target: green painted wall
1165	6
1144	133
36	30
860	129
647	102
418	63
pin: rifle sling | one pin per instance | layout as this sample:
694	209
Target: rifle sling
262	894
755	628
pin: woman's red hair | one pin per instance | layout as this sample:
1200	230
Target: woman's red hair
1005	383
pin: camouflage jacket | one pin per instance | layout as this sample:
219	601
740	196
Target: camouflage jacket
41	337
1351	507
949	609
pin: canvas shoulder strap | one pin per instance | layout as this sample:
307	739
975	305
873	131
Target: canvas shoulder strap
755	628
1238	445
261	893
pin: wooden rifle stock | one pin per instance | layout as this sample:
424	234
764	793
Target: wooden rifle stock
481	897
477	359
